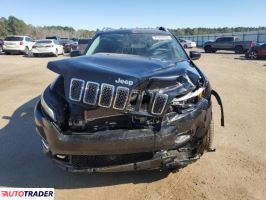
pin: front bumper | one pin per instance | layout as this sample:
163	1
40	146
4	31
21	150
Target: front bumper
194	123
163	159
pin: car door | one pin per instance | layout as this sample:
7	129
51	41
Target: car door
223	43
218	44
262	50
228	43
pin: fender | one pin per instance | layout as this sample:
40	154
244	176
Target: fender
219	101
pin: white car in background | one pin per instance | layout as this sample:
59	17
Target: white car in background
187	43
47	46
18	44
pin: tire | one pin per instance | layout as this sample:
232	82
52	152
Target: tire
253	55
208	49
208	139
1	48
239	50
185	46
26	51
56	53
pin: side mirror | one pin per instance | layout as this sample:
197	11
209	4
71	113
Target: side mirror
194	55
75	53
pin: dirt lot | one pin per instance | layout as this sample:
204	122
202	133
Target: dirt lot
237	170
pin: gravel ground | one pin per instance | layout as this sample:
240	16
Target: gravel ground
237	170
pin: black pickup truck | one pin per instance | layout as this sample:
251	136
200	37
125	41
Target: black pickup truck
231	43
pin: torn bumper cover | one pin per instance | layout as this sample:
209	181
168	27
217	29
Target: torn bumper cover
163	146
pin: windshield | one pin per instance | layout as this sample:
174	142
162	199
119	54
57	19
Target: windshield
154	46
14	39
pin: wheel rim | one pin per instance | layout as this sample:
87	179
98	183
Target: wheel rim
253	55
27	51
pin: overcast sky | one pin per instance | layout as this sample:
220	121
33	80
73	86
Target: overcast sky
87	14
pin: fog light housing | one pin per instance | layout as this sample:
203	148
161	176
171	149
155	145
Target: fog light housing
182	139
49	111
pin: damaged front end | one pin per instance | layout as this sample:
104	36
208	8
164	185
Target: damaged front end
97	117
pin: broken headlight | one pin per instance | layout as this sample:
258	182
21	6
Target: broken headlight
188	100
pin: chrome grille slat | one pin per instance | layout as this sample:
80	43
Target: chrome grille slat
121	97
76	89
106	95
91	93
159	103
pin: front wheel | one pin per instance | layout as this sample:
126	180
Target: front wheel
1	48
208	49
253	55
239	50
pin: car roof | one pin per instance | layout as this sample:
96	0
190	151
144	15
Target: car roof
137	30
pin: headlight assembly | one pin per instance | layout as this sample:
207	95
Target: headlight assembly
184	99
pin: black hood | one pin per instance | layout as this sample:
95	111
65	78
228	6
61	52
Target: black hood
109	67
143	73
127	65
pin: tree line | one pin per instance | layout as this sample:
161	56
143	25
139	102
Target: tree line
15	26
204	31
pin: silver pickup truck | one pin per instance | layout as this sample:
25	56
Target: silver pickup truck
230	43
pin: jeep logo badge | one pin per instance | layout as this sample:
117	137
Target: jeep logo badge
125	82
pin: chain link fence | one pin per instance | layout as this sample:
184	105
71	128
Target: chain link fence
257	36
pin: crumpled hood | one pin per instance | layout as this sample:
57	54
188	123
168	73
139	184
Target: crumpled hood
134	72
109	67
128	65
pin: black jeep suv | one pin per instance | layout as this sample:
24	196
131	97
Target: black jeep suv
133	101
